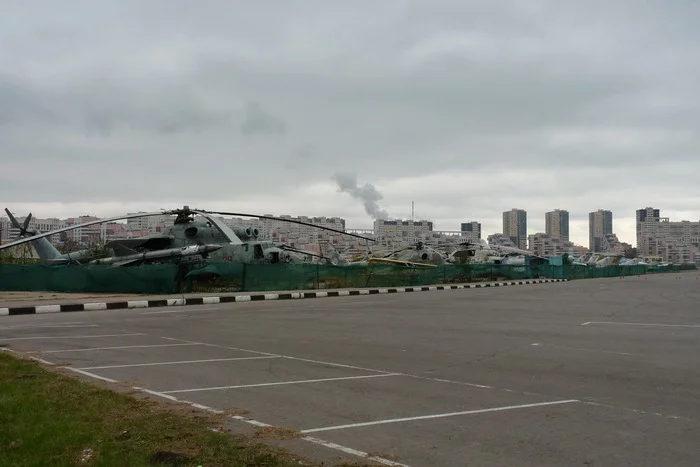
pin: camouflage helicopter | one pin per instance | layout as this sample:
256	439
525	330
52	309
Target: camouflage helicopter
186	241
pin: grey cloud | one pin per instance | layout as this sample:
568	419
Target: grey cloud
179	97
258	121
302	156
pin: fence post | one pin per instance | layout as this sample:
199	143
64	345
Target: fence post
369	276
243	277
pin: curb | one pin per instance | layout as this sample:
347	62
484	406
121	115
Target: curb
68	307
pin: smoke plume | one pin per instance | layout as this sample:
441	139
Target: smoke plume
368	194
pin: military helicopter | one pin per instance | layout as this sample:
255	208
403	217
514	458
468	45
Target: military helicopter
186	241
483	252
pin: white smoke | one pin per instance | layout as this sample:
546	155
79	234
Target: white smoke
368	194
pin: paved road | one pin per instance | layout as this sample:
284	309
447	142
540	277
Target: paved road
594	372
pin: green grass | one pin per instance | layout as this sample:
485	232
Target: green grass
47	418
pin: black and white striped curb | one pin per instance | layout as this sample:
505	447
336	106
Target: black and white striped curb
66	307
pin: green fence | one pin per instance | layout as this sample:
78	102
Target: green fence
233	277
151	279
672	268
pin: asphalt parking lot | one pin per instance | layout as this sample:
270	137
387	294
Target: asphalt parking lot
591	372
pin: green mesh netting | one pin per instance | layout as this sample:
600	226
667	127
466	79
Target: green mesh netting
231	277
151	279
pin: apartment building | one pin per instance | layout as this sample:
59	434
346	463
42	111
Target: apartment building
557	224
401	232
515	227
4	230
544	244
674	241
471	230
600	224
9	233
151	224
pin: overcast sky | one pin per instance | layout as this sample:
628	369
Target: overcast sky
467	108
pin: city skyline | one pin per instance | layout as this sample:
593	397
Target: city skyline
579	229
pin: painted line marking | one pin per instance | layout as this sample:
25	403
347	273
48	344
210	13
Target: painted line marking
174	363
248	421
280	383
643	324
117	348
538	344
361	368
221	347
91	375
36	359
643	412
341	365
443	415
354	452
198	309
74	337
44	326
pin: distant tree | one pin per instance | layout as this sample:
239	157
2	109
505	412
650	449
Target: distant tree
68	245
97	248
20	254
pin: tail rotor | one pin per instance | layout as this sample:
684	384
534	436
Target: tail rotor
23	232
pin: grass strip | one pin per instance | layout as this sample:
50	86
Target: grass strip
47	418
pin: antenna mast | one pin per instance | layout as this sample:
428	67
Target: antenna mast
412	212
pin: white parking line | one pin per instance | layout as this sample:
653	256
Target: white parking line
643	324
361	368
73	337
43	326
91	375
280	383
117	348
327	444
174	363
199	309
354	452
538	344
443	415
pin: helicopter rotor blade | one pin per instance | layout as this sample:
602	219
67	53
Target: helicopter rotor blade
13	220
26	222
289	248
84	224
239	214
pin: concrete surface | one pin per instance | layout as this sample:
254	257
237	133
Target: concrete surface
598	372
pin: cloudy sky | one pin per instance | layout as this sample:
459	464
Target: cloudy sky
467	108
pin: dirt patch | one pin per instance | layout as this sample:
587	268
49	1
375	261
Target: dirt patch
276	433
10	296
235	411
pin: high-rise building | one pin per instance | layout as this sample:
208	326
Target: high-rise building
515	226
557	224
600	224
471	230
648	220
673	241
